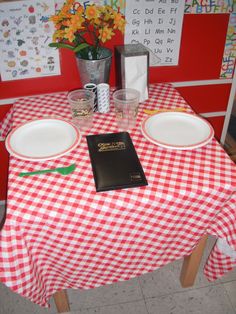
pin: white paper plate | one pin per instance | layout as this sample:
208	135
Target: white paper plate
177	130
42	139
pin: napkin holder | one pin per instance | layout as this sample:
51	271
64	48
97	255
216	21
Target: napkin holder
132	68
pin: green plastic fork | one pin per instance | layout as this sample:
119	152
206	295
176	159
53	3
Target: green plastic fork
62	170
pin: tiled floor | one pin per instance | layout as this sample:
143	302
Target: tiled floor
155	293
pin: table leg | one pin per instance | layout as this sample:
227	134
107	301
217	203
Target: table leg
191	264
61	301
188	274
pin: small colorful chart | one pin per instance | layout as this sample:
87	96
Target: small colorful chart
25	32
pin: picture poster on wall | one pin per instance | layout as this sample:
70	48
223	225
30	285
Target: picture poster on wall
158	26
25	33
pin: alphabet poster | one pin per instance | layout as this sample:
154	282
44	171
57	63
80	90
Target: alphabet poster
158	26
25	33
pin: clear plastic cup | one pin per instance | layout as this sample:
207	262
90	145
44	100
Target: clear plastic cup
126	102
82	102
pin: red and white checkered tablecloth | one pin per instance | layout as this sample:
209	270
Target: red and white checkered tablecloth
6	124
59	233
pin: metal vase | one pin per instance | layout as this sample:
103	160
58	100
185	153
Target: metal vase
95	71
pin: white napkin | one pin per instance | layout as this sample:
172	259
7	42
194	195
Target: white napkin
136	75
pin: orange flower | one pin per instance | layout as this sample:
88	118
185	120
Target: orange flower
69	34
59	34
66	9
105	34
106	12
91	12
55	19
89	26
80	9
119	22
58	26
70	2
65	23
76	21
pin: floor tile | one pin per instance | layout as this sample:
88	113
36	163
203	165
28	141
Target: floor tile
207	300
137	307
229	276
120	292
165	280
13	303
230	288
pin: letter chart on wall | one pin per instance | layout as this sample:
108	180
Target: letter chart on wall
158	26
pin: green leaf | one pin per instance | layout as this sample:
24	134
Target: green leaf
61	45
80	47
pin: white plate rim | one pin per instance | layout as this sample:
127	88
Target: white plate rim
62	153
178	147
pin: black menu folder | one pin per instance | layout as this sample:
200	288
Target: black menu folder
115	162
